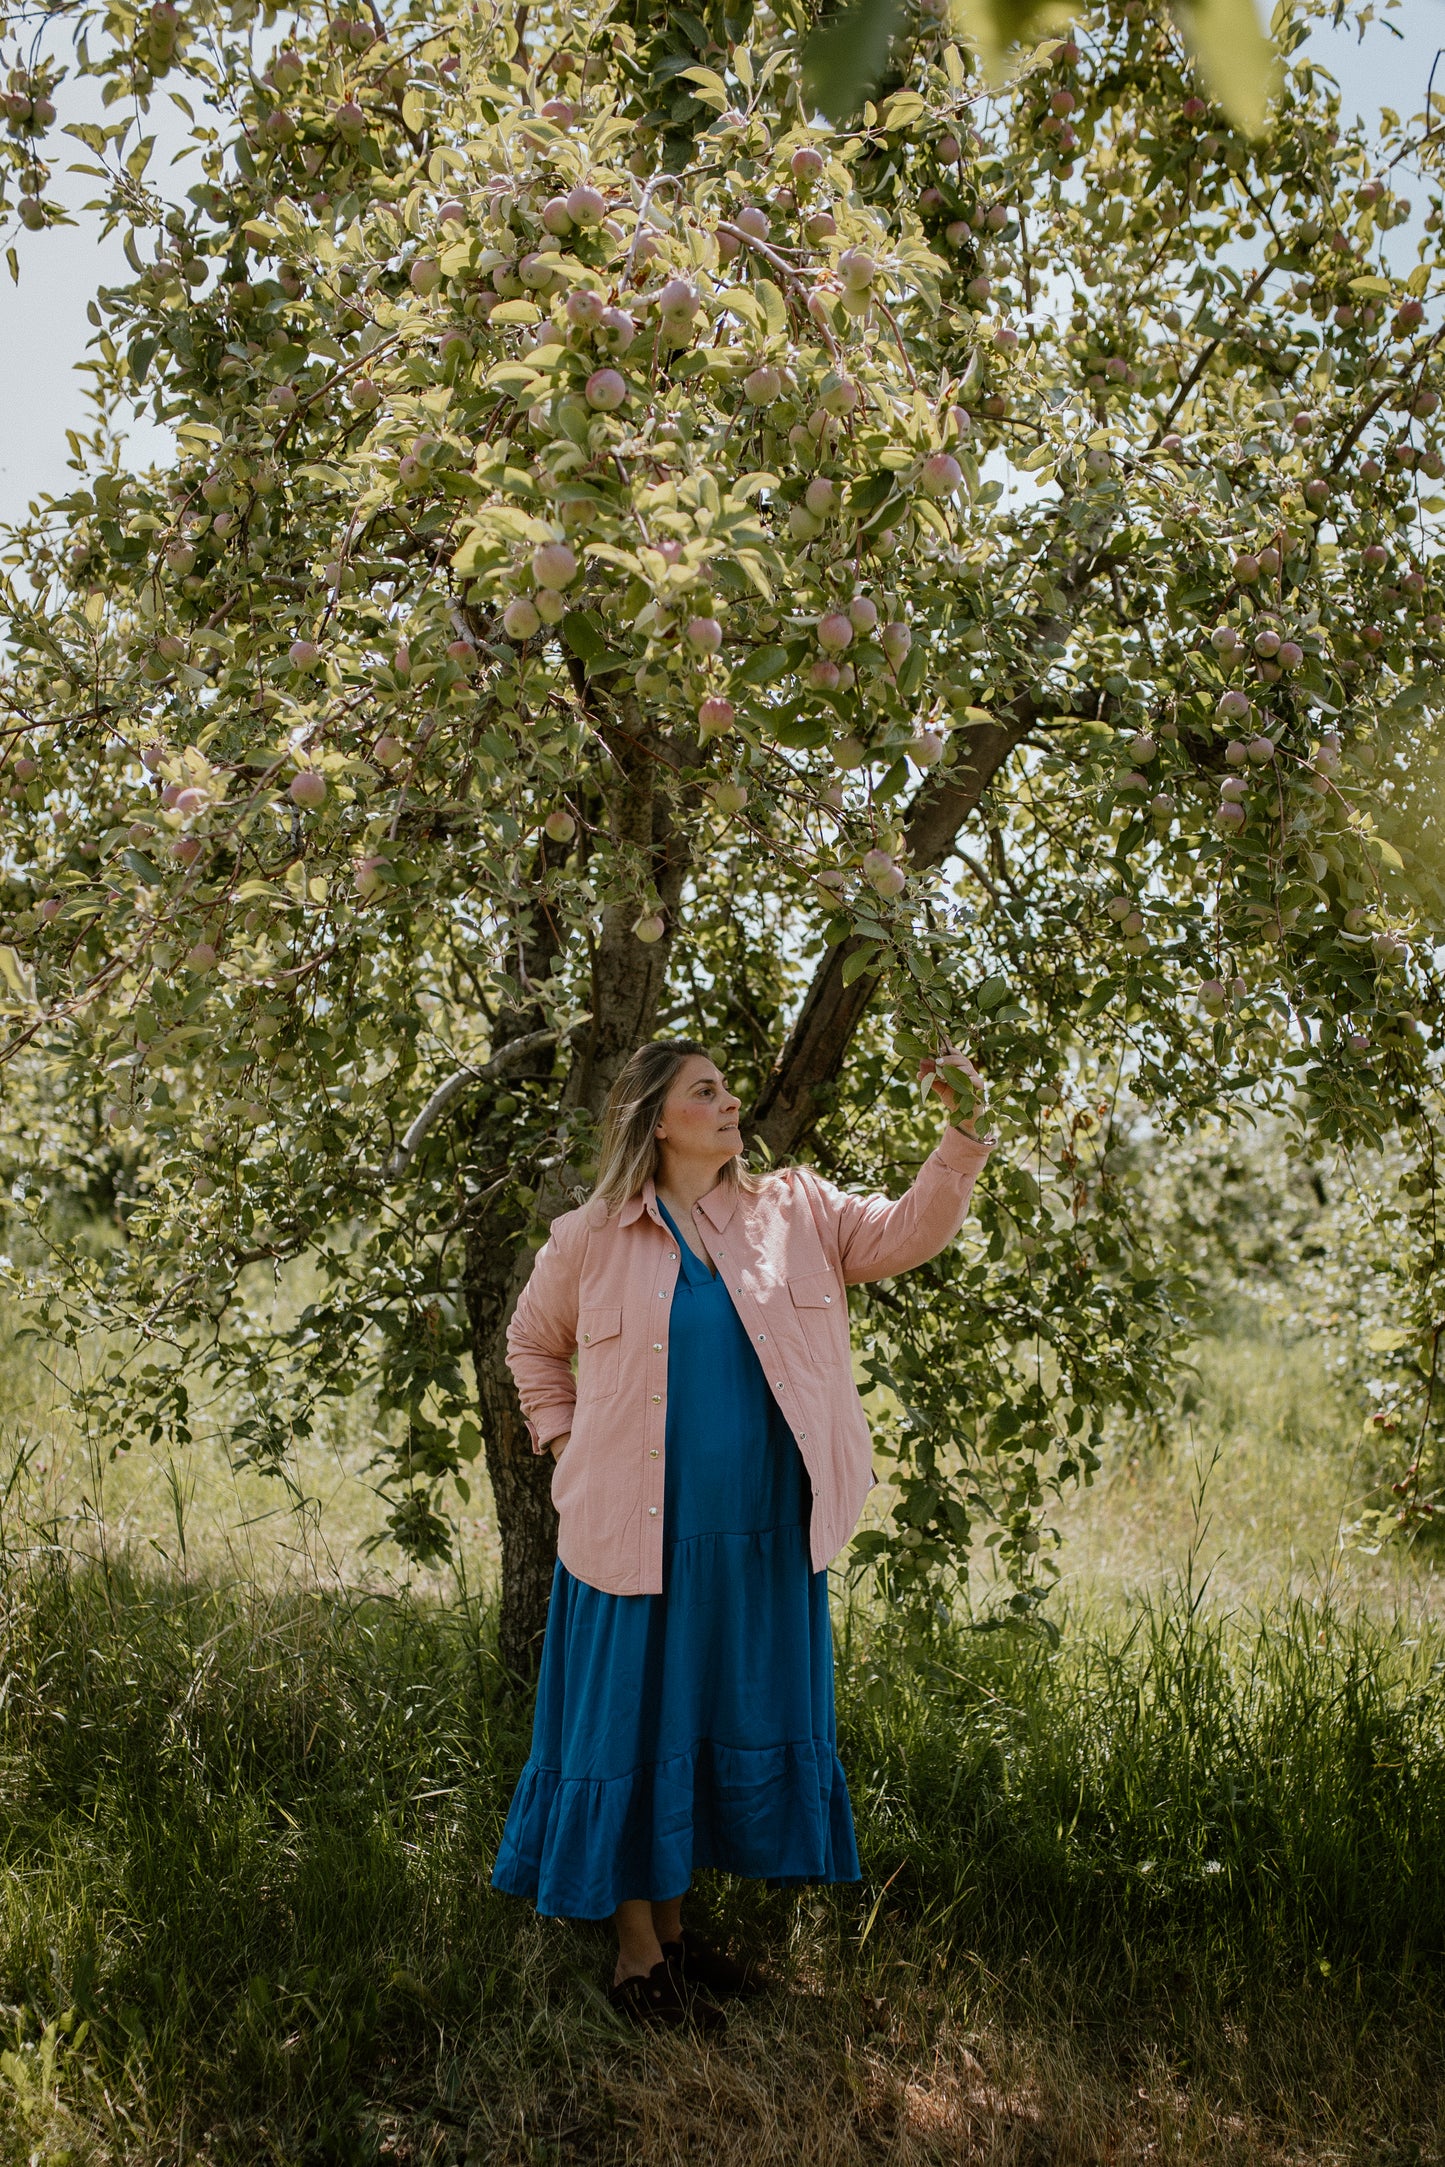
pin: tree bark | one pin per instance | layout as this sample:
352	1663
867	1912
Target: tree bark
794	1095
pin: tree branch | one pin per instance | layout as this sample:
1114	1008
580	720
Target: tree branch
791	1100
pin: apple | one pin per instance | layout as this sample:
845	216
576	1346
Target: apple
1118	907
554	565
1213	995
942	475
863	613
1261	750
461	651
763	386
520	620
560	111
50	909
896	640
821	497
806	164
560	825
729	797
835	632
714	715
1162	806
350	119
201	958
840	394
1142	748
365	394
926	748
584	308
606	391
753	222
367	875
1246	568
304	654
823	676
703	635
1233	789
1269	561
1229	816
556	217
551	606
802	525
1232	706
819	226
1267	643
585	205
856	268
186	849
615	331
388	751
649	927
307	788
190	802
1290	656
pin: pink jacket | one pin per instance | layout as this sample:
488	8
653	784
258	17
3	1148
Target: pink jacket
601	1292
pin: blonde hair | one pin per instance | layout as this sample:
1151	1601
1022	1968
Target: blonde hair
628	1156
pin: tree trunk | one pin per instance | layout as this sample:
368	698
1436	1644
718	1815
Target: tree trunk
496	1270
628	980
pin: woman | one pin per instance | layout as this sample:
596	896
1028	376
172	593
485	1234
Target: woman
712	1458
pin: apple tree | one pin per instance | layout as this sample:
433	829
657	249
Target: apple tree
638	558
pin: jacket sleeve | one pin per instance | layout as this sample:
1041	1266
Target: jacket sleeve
877	1236
542	1338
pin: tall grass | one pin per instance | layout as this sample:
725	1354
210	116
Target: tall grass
1174	1885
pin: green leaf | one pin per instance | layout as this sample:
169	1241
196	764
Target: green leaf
141	867
138	158
991	992
1371	285
1235	57
708	88
862	959
582	632
762	666
845	55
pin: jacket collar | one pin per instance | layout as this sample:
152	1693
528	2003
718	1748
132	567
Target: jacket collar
719	1204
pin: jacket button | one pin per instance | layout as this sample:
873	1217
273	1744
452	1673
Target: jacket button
802	1437
762	1335
656	1397
657	1346
653	1454
652	1511
827	1297
587	1337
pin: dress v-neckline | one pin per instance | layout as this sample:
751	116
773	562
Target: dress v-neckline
680	1238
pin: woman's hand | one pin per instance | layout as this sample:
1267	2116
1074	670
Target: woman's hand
932	1068
555	1444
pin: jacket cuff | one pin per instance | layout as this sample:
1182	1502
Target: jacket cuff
554	1422
963	1154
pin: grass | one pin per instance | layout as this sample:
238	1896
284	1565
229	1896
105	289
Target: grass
1172	1891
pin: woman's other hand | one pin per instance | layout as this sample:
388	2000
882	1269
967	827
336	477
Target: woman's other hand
933	1067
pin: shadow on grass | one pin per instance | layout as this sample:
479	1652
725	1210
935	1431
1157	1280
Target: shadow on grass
1170	1891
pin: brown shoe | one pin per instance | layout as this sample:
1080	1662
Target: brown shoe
658	2001
696	1963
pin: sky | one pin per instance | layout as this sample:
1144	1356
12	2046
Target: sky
43	326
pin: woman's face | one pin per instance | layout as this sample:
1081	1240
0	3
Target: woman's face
699	1121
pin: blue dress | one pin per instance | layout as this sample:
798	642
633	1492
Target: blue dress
694	1728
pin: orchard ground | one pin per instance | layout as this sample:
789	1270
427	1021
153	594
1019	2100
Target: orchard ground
1171	1891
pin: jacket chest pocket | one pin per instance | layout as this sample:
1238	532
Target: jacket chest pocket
599	1342
818	1302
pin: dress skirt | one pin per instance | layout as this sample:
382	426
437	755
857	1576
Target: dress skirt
694	1728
